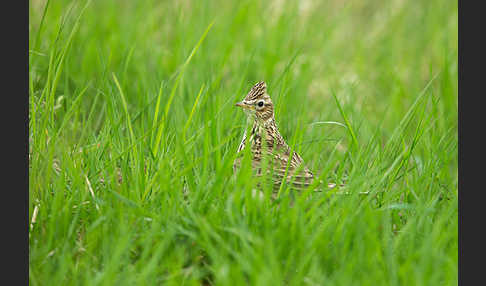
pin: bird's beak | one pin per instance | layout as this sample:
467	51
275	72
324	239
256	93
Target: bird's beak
241	104
245	106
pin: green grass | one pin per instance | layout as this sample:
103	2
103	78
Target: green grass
133	132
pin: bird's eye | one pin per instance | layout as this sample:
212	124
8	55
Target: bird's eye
260	104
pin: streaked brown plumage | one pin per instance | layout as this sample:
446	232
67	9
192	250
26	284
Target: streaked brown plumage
266	141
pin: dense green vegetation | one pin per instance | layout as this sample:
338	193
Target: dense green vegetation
133	132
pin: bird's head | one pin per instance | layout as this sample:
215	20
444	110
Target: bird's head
257	102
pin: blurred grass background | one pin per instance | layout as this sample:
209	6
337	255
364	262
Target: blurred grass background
133	132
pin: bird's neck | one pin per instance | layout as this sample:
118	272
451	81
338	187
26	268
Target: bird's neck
261	131
259	125
265	129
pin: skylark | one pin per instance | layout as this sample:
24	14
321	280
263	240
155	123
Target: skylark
266	142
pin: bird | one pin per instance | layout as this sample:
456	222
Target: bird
266	141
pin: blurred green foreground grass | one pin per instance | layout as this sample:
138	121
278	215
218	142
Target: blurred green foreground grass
133	132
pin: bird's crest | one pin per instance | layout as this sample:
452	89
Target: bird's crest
257	91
